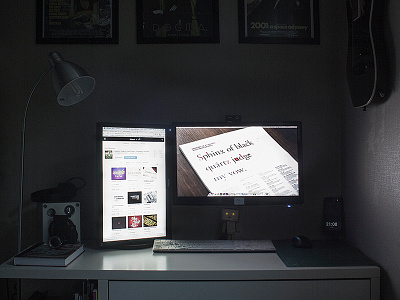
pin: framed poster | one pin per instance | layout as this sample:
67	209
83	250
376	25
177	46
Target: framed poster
279	21
77	22
177	21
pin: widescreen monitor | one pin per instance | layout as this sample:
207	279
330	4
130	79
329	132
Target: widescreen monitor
132	184
238	164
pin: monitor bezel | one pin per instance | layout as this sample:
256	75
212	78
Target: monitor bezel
230	201
129	243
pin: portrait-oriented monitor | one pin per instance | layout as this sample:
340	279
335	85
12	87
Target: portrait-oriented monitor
244	164
132	184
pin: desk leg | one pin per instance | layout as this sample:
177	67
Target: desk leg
102	286
375	288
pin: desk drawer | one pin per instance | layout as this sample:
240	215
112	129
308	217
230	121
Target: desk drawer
299	290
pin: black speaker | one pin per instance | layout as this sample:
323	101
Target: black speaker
333	219
61	223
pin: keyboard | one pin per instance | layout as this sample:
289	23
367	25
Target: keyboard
213	246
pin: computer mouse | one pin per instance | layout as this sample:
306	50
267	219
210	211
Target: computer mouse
301	241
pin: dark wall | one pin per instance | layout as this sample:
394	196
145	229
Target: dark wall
163	84
372	171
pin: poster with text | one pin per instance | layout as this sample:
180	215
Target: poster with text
77	21
177	21
279	21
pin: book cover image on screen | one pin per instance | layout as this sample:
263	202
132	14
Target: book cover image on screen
245	161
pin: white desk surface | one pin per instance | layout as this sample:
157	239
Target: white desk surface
144	265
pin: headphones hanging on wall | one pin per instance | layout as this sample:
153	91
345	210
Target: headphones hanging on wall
64	192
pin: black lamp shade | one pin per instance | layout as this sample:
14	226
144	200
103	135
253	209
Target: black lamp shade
71	83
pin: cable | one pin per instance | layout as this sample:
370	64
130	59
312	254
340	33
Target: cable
23	157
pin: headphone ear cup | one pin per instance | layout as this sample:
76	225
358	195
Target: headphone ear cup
55	242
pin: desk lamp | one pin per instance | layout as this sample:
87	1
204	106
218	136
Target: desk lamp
72	84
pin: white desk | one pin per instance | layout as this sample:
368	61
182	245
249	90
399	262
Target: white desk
122	274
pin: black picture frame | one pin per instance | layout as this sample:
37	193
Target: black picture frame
279	21
88	22
163	22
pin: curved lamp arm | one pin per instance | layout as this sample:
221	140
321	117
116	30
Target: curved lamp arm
72	84
23	157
